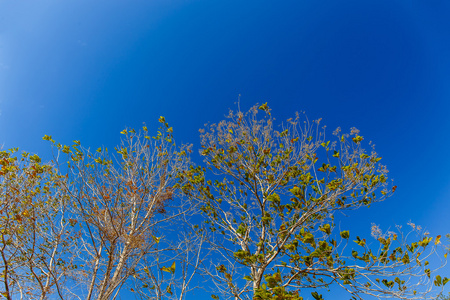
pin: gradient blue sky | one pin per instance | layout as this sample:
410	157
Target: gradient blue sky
87	69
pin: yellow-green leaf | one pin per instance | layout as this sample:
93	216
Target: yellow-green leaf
438	240
345	234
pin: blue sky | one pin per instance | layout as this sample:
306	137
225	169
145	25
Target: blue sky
87	69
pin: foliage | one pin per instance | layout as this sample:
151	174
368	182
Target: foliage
121	204
258	219
443	296
269	197
35	244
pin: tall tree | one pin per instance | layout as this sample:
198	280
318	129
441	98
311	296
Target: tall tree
124	209
270	195
36	240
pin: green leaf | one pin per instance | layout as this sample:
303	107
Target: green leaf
263	107
274	198
325	144
437	240
66	149
360	242
405	258
169	289
364	156
425	241
309	239
357	139
326	228
438	281
170	269
34	158
146	271
345	234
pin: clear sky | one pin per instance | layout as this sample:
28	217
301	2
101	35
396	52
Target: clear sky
86	69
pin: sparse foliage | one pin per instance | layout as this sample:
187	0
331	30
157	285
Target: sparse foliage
270	195
121	204
35	244
258	220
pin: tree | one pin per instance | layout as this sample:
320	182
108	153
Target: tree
270	196
35	243
123	209
93	223
442	295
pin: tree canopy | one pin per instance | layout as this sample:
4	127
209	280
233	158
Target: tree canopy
270	195
257	219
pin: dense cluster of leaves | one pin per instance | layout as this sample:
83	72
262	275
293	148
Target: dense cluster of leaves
265	203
